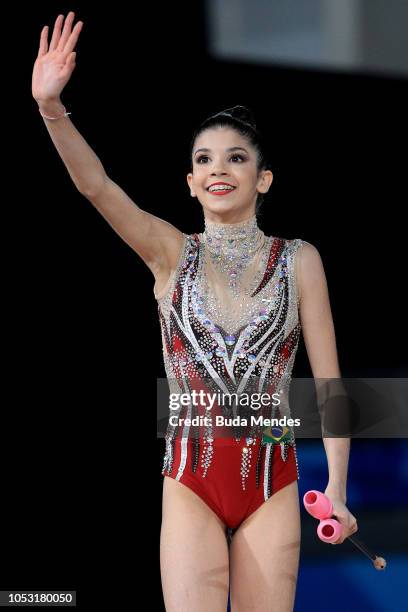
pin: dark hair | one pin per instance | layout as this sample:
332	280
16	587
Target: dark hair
241	119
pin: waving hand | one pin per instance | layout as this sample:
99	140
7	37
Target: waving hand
55	63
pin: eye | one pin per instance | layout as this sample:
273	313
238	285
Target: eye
201	157
236	156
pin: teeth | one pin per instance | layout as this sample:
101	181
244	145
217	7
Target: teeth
220	188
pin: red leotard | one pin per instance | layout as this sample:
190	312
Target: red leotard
234	472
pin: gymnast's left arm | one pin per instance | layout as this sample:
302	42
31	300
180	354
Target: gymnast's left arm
320	341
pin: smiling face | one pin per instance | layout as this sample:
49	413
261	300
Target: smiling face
223	155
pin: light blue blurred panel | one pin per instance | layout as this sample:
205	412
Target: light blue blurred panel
353	585
371	463
352	35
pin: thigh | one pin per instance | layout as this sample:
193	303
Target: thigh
264	555
193	552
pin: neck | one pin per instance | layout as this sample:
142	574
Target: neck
233	242
209	223
240	230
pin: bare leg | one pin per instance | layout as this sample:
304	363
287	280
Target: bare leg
193	552
264	555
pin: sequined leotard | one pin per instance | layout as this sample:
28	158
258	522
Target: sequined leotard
229	322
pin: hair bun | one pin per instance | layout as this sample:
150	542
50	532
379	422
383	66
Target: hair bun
242	113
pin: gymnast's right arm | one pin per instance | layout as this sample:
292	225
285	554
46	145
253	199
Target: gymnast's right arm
156	241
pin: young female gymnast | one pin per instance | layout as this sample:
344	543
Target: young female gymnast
232	302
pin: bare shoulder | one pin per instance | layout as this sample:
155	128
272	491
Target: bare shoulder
309	258
306	255
311	275
309	267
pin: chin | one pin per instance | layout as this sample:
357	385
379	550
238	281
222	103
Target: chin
220	208
227	211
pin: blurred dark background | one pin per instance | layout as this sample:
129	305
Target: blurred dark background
80	461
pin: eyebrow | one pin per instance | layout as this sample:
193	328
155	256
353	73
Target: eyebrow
228	150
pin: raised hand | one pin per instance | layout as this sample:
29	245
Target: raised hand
55	64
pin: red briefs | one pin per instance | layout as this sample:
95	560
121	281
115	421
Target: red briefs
221	488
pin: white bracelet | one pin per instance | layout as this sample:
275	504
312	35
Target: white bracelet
55	118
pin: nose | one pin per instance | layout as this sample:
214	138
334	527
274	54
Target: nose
218	169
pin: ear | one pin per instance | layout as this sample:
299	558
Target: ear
265	181
190	184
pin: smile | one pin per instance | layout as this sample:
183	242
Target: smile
221	191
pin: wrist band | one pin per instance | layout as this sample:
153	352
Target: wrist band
55	118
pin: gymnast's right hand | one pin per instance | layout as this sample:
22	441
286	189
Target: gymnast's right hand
55	64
